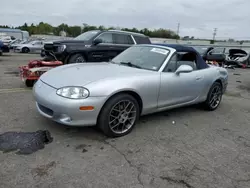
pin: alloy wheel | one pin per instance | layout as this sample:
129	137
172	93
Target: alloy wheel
215	96
122	116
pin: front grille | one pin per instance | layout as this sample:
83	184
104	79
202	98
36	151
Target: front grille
45	110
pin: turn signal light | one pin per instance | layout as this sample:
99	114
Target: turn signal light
86	108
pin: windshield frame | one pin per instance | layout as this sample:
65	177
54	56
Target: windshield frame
114	60
88	34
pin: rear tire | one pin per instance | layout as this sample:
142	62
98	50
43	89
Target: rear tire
25	50
77	58
119	115
29	83
214	97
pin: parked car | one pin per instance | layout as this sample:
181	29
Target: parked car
32	46
1	45
5	47
16	43
93	46
238	58
141	80
210	53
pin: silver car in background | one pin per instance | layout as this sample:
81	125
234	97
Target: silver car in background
32	46
141	80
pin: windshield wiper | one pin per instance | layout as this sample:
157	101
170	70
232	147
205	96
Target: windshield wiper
130	64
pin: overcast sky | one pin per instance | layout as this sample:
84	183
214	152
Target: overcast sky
196	17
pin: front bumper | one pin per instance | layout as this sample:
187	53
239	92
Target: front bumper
60	56
17	49
63	110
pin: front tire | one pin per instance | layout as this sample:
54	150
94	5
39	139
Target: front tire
119	115
214	97
77	58
25	50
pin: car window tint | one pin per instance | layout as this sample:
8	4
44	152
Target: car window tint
218	50
123	39
106	37
171	66
141	40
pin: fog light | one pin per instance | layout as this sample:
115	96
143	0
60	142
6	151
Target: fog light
65	118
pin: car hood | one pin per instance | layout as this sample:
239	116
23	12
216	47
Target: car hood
82	74
237	51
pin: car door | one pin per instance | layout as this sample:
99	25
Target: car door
102	51
217	54
37	46
177	89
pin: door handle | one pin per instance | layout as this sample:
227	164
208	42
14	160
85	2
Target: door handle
198	78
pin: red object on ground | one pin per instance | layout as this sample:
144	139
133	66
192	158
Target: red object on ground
35	68
244	66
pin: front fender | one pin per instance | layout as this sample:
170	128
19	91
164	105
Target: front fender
146	87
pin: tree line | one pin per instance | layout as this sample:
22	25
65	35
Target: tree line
73	31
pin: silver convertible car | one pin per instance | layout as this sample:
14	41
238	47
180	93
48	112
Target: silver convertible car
141	80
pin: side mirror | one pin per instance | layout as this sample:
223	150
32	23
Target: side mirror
97	41
184	69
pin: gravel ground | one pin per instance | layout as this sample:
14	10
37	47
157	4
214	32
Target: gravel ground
182	148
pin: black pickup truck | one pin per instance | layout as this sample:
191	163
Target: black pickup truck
92	46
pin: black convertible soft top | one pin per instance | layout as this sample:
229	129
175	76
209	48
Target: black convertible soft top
201	64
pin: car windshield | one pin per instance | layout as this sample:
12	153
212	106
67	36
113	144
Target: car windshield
86	35
144	57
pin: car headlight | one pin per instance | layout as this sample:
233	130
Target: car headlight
61	48
73	92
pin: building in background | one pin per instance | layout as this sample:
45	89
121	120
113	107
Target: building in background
14	33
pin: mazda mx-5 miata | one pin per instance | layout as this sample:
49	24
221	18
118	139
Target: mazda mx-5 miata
143	79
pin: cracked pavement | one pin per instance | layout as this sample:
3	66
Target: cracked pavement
200	150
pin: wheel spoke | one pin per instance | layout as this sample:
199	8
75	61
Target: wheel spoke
122	116
115	125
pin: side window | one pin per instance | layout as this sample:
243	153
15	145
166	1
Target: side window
142	40
38	43
171	66
106	37
218	51
123	39
190	63
187	58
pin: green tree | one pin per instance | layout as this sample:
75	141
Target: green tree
73	31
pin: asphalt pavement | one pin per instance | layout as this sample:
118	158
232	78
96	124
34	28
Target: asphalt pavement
182	148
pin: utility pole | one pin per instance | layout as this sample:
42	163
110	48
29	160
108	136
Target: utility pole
178	30
214	34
